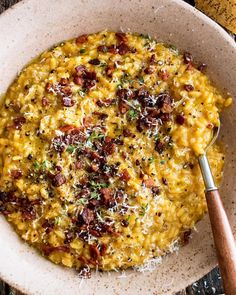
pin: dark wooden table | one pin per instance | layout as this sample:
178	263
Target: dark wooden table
210	284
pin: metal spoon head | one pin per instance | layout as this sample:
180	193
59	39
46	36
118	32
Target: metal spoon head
216	131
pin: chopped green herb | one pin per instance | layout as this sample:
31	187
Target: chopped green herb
103	64
143	209
151	160
119	86
36	165
57	220
98	185
132	114
174	49
70	149
145	36
95	195
83	201
82	50
141	80
96	135
162	162
82	92
156	136
46	165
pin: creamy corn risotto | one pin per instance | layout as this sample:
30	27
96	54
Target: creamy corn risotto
99	139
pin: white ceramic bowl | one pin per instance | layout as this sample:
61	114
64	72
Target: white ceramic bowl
33	26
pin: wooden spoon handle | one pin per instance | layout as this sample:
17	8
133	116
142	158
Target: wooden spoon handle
224	241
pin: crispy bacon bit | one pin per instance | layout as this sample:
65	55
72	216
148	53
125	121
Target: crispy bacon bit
164	181
159	146
85	272
94	252
16	173
121	38
155	190
165	103
58	180
49	87
109	70
164	75
149	182
149	70
84	193
69	236
123	49
180	119
101	116
152	59
67	101
48	225
81	39
64	81
104	103
102	48
127	133
78	80
47	250
65	91
93	203
107	196
95	62
87	216
113	49
188	87
109	148
125	176
84	78
123	107
103	249
202	67
124	223
95	232
67	128
45	102
18	122
80	69
28	211
124	94
79	164
87	121
188	58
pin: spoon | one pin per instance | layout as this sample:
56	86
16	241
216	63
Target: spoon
222	233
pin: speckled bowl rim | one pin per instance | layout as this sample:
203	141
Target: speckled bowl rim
9	277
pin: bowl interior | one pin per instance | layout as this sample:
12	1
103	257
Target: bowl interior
33	26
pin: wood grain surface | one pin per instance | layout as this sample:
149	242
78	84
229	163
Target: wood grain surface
210	284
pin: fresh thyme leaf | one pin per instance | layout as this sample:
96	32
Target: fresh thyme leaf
82	50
